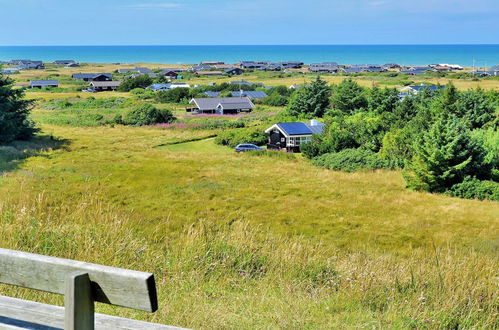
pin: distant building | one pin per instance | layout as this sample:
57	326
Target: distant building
209	73
234	71
212	63
72	65
241	82
166	87
417	88
64	62
101	86
222	105
290	136
250	94
211	94
93	76
43	83
10	70
136	70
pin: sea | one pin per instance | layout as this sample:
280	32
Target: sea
465	55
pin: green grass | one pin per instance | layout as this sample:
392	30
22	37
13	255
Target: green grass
246	241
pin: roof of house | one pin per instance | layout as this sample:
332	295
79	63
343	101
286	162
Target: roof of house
250	94
44	82
211	94
297	128
209	73
91	75
227	103
241	82
105	83
233	69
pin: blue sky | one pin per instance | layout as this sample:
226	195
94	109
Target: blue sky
202	22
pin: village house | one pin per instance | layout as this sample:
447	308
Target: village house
93	76
136	70
165	87
101	86
211	94
289	136
43	83
209	73
72	65
222	105
234	71
64	62
10	70
250	94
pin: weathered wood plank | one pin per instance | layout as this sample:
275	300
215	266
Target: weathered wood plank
49	317
111	285
78	303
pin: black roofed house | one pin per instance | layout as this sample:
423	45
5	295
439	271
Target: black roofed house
43	83
64	62
241	82
323	69
93	76
101	86
202	67
171	74
221	105
72	65
31	65
234	71
291	64
136	70
211	94
289	136
250	94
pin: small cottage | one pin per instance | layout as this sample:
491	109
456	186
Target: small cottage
43	83
221	105
289	136
101	86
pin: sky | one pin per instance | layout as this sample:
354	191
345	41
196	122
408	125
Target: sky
247	22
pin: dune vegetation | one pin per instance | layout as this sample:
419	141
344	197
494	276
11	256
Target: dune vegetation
251	240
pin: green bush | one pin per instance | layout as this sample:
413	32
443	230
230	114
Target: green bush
234	137
175	95
275	100
141	81
351	160
147	114
472	188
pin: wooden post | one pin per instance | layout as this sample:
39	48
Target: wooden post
78	302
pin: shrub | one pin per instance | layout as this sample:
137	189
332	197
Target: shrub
147	114
175	95
473	188
275	100
351	160
234	137
141	81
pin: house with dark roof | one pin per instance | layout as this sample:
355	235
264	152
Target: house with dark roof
250	94
413	90
136	70
211	94
43	83
209	73
170	74
323	69
202	67
291	64
221	105
101	86
64	62
234	71
164	87
241	82
10	70
72	65
93	76
254	65
289	136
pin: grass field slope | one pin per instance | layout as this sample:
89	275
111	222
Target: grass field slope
242	241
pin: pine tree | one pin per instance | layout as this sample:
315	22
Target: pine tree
444	156
14	112
348	97
310	101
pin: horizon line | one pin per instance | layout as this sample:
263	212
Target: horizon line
232	45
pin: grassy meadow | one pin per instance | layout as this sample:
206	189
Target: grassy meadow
243	240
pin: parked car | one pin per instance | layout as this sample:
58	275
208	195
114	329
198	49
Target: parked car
247	147
89	90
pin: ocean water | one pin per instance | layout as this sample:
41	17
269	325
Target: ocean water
466	55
